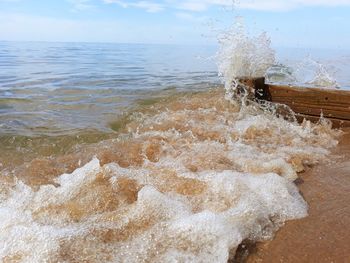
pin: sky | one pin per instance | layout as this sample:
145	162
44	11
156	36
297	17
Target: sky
289	23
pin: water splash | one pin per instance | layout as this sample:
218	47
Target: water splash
241	55
314	73
305	72
188	181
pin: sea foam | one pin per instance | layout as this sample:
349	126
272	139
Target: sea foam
188	180
196	179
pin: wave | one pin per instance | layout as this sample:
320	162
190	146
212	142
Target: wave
188	180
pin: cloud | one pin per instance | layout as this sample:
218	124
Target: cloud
20	27
282	5
153	6
79	5
23	27
203	5
267	5
150	7
186	16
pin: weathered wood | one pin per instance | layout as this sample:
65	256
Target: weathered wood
336	123
333	104
308	103
256	87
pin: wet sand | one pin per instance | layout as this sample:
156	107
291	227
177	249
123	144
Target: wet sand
323	236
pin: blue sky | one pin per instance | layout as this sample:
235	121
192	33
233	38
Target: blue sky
290	23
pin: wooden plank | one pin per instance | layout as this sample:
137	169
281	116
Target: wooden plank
334	104
256	87
336	123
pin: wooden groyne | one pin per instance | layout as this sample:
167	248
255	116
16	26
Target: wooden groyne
307	102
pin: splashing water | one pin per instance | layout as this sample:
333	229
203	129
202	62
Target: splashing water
314	73
242	56
188	180
306	72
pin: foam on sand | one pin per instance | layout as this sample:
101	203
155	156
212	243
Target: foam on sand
198	177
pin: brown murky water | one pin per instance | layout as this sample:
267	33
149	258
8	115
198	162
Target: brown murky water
187	179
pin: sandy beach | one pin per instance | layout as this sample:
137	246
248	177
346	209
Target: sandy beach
193	174
323	236
140	131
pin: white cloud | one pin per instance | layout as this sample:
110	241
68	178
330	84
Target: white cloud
79	5
268	5
150	7
190	17
23	27
282	5
203	5
28	27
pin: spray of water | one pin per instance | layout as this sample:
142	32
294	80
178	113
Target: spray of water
188	181
314	73
242	56
305	72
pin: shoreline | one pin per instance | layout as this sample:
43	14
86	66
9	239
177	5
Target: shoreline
324	235
175	131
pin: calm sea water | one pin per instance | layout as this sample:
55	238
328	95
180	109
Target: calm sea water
55	88
61	88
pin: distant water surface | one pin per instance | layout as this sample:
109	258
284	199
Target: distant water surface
58	88
65	88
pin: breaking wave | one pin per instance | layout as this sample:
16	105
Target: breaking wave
188	180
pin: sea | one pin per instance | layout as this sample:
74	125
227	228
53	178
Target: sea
133	152
59	88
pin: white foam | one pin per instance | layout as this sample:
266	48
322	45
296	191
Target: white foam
241	55
206	178
234	207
